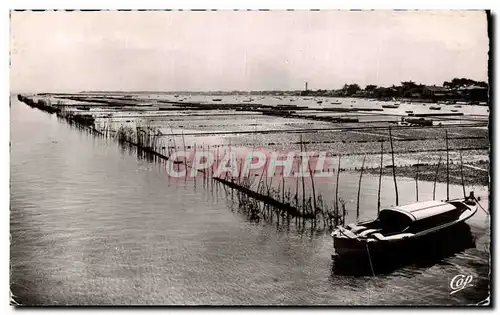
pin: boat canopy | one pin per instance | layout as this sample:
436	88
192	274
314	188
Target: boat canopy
421	210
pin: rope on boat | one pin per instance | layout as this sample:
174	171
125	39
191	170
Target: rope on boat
481	206
369	258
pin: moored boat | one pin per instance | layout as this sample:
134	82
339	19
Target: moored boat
398	227
395	105
435	107
419	121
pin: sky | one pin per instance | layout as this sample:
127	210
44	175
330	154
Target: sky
242	50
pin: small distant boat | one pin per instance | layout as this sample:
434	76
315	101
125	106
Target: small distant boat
454	110
395	105
409	111
319	102
435	107
336	103
419	121
398	227
217	99
458	106
248	100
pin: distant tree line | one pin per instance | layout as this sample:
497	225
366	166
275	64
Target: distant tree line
456	89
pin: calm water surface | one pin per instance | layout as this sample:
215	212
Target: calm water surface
93	224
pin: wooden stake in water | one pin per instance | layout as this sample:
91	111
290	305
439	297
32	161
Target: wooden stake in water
312	181
380	176
196	176
302	178
297	190
184	147
416	179
435	179
283	186
336	212
462	173
447	168
344	212
217	160
359	187
261	178
394	168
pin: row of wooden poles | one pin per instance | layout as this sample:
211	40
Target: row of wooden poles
416	173
311	207
149	140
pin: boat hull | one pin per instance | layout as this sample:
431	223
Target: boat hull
354	247
426	244
348	246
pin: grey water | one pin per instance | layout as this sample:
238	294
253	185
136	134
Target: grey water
93	224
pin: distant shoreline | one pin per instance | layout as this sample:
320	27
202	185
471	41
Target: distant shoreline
271	94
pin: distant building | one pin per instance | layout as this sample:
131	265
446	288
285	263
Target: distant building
474	93
433	91
470	93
